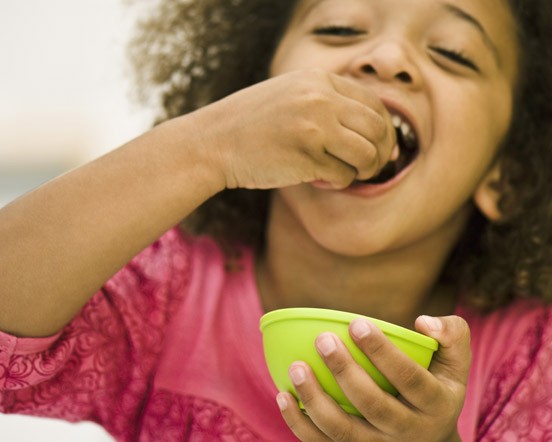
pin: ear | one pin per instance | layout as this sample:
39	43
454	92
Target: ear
486	195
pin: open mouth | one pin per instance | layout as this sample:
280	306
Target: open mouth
404	153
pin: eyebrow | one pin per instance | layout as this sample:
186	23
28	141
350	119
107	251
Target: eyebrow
460	13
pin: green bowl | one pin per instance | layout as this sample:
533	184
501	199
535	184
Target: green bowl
289	335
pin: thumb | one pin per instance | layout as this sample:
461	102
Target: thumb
453	358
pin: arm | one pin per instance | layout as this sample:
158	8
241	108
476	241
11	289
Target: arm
100	367
61	242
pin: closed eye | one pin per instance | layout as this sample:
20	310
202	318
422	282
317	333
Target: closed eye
338	31
456	57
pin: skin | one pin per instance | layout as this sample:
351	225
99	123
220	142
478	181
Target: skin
462	115
313	128
270	135
429	401
362	246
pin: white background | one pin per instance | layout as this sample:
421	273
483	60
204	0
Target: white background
64	91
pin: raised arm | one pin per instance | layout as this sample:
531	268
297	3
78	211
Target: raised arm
61	242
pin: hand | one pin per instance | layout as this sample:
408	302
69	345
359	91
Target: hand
299	127
429	403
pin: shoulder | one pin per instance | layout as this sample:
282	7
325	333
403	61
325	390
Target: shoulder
169	260
506	325
182	271
512	353
513	335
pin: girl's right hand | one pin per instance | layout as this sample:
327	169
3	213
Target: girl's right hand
299	127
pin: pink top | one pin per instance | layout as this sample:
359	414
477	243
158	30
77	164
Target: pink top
170	350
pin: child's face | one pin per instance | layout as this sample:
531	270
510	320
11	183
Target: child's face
451	66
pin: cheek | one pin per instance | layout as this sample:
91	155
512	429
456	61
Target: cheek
469	127
475	122
285	55
493	108
301	53
301	58
466	149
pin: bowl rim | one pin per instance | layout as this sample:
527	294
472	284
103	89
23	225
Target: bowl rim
345	318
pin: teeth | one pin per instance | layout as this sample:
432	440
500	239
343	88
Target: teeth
396	120
405	128
398	123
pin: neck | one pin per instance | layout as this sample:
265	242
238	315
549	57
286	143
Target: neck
395	286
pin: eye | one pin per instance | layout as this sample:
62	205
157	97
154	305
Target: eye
456	56
338	31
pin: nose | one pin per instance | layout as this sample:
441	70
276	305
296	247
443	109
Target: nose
389	61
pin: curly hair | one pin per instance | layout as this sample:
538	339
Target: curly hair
191	53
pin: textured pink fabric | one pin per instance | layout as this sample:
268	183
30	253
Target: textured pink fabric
509	396
170	350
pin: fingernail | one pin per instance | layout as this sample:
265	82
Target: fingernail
326	344
432	323
297	374
360	328
282	402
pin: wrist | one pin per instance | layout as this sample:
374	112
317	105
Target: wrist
195	152
216	133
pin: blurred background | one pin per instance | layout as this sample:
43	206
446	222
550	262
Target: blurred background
64	100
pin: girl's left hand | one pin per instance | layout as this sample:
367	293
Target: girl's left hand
429	403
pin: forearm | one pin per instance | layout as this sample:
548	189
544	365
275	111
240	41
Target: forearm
62	241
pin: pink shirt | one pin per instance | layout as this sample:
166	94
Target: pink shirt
170	350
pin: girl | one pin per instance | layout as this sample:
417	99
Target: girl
392	162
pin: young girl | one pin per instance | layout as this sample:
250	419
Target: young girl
388	158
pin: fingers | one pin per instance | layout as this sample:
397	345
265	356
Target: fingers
301	127
297	421
358	152
358	93
324	414
336	172
360	139
422	389
357	126
382	410
348	121
364	113
415	384
453	359
426	401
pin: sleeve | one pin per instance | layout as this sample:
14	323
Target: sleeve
99	368
518	401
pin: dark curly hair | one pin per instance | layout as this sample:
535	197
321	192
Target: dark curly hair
191	53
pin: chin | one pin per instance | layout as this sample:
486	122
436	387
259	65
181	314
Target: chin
347	243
